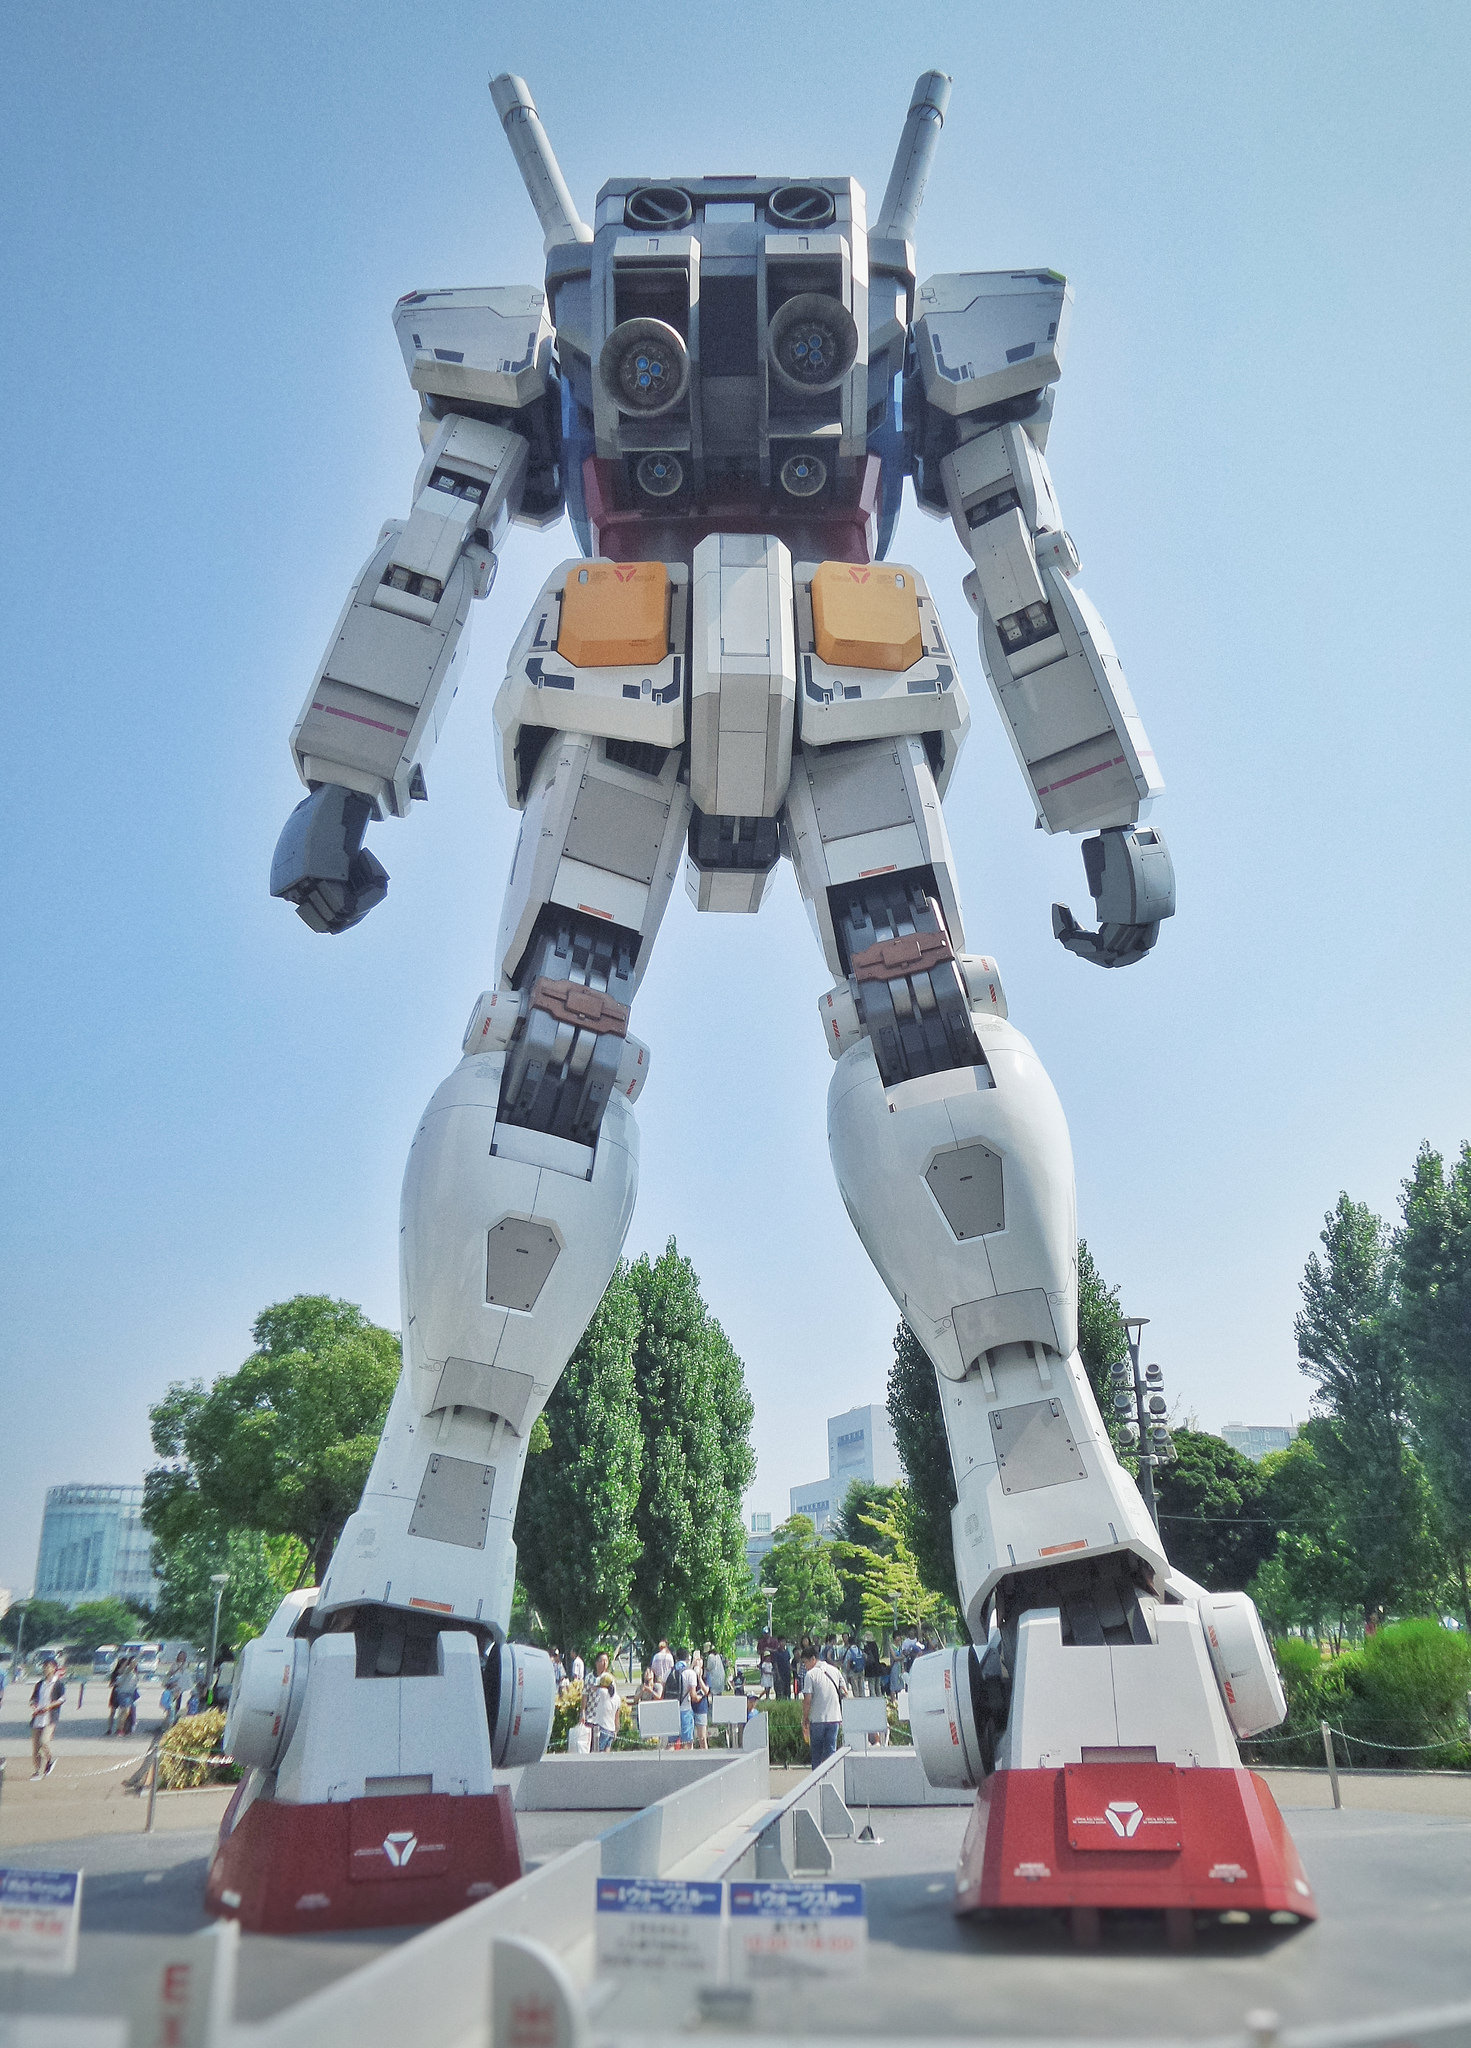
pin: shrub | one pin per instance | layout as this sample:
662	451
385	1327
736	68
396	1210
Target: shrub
784	1731
189	1754
1406	1690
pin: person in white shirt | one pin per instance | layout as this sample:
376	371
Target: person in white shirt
715	1673
579	1669
662	1662
824	1689
602	1706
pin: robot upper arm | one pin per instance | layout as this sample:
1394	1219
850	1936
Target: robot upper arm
485	352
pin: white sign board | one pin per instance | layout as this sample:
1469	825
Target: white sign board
40	1913
865	1717
729	1710
658	1923
796	1927
658	1717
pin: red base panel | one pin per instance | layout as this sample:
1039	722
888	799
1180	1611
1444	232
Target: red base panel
1126	1836
397	1861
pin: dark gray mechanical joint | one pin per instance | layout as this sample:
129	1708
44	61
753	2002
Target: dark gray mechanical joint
751	845
904	977
565	1055
1132	882
320	863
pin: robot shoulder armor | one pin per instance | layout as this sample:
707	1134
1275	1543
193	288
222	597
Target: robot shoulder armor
984	336
484	345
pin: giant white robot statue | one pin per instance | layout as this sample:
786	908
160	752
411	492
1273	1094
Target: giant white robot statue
724	383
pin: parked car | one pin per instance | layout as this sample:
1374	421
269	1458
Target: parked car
103	1659
147	1656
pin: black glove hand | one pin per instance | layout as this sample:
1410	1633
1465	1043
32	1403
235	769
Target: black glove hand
1132	882
321	865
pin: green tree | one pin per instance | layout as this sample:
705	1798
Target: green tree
695	1419
282	1445
1434	1329
95	1622
576	1535
1308	1582
34	1622
891	1591
1347	1339
853	1529
1103	1341
800	1566
261	1570
1213	1512
919	1435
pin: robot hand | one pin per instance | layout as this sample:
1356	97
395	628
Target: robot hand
1132	883
320	863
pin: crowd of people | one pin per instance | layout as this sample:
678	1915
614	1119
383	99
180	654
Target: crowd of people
186	1690
821	1675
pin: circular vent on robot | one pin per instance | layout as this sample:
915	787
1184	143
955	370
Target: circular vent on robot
660	475
812	342
800	206
658	206
644	367
803	475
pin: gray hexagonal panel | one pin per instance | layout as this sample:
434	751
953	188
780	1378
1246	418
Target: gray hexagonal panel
967	1185
519	1256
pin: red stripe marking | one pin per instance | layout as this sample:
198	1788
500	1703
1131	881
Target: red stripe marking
1082	775
1053	1549
593	912
439	1606
357	718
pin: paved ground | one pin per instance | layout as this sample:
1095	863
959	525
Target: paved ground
1392	1872
1394	1888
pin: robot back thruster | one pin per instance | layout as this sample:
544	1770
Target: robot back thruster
725	382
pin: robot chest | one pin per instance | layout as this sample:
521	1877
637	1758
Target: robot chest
737	658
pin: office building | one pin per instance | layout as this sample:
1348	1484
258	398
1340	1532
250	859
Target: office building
94	1547
860	1445
758	1542
1254	1440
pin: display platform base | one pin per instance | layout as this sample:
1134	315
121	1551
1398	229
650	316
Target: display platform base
398	1861
1123	1837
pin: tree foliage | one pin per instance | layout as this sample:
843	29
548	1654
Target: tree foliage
261	1570
1433	1325
881	1560
1348	1345
1213	1508
576	1525
695	1418
1103	1341
283	1444
800	1566
919	1435
633	1512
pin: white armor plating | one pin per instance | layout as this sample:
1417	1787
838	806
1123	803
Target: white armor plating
728	674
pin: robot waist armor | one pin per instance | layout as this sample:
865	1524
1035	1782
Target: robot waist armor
739	658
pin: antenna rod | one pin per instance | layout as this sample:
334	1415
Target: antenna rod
900	210
540	171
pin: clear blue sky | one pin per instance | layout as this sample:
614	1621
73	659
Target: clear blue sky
1261	448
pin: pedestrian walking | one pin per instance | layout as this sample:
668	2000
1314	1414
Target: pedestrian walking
824	1689
46	1698
853	1668
224	1677
687	1680
700	1701
125	1691
714	1672
662	1663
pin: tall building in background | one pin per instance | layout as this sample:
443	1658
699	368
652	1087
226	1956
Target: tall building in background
758	1543
860	1445
1255	1439
94	1547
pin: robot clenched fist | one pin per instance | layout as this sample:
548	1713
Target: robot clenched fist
724	384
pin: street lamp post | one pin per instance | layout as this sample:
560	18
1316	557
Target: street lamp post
219	1580
769	1593
1139	1401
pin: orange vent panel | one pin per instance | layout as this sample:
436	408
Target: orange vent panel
614	614
866	617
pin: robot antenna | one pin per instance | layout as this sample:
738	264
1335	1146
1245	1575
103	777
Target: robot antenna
926	117
540	171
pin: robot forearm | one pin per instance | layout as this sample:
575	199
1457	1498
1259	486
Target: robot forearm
1061	690
379	698
377	701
